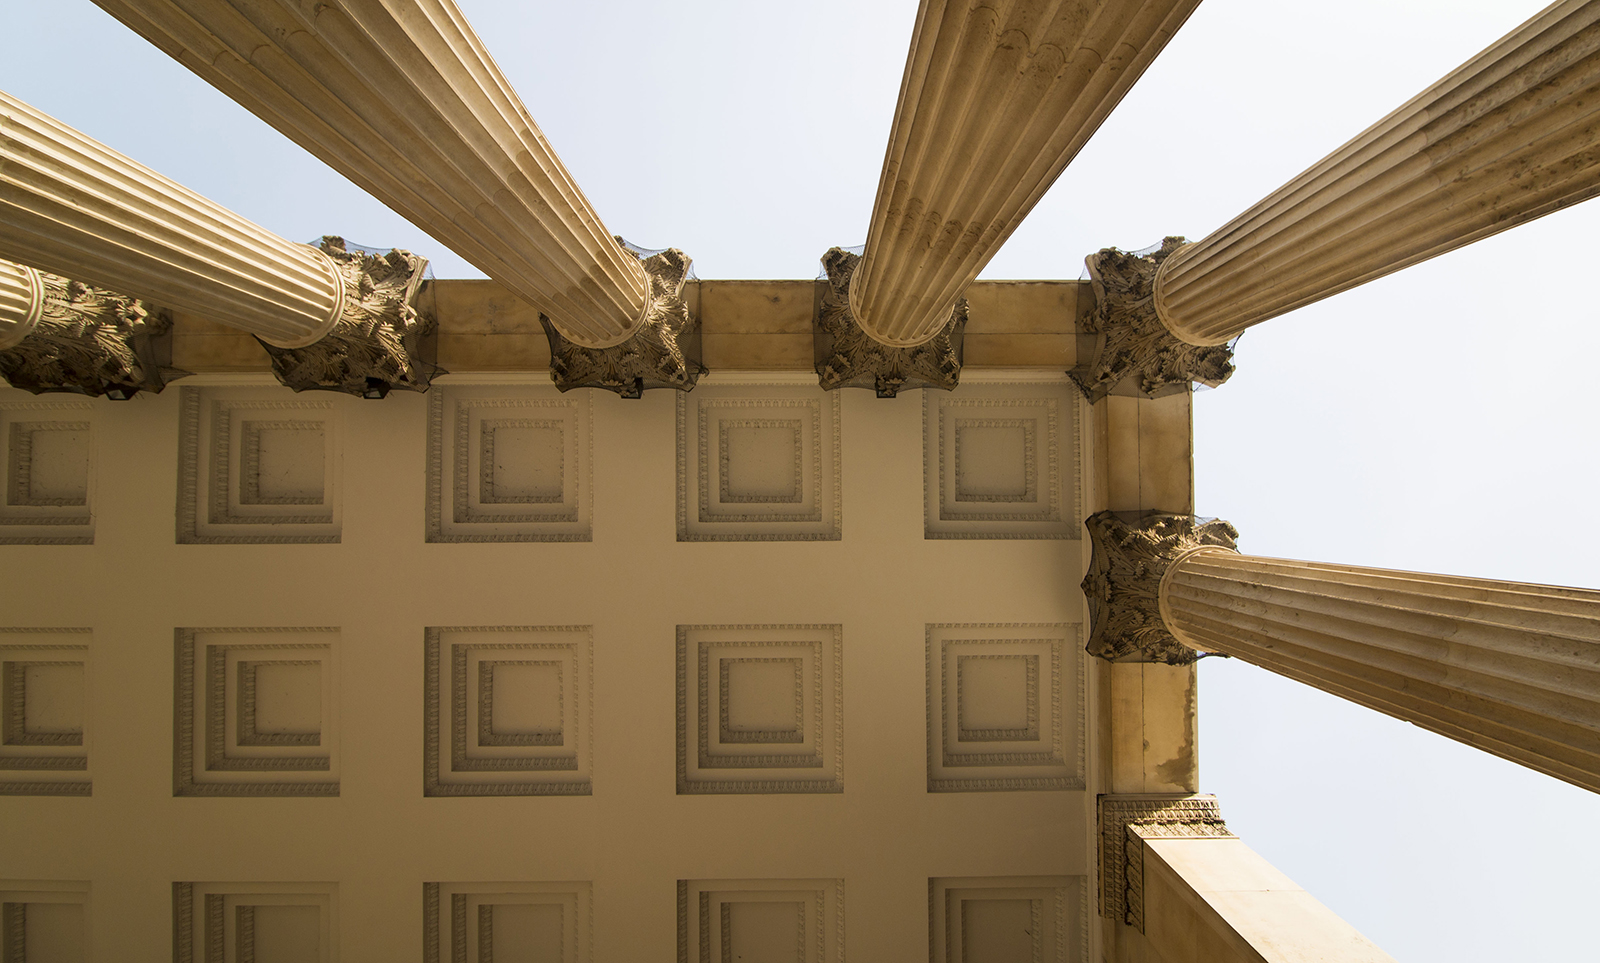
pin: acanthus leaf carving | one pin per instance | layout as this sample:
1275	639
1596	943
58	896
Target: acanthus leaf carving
92	341
1123	585
1130	341
847	357
663	353
381	341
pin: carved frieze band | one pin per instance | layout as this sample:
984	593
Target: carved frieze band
663	353
847	357
1123	586
1125	821
92	341
1129	339
382	340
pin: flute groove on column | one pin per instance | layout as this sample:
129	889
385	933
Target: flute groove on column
404	100
996	99
1511	668
1511	135
21	302
74	207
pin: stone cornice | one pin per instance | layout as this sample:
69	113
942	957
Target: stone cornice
1123	585
847	357
1130	341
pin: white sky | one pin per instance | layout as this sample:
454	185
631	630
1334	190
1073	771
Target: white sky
1438	420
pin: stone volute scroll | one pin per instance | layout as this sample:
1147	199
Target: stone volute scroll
1130	342
384	337
57	334
1132	553
847	357
663	352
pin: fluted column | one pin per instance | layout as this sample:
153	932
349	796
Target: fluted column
403	99
1513	669
1508	667
76	208
21	302
997	98
1509	136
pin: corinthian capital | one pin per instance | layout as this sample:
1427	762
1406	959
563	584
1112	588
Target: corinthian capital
847	357
88	340
381	341
1131	555
1130	340
663	352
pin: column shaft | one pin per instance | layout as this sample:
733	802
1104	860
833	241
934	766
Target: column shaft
1511	135
1510	668
21	302
996	100
77	208
403	99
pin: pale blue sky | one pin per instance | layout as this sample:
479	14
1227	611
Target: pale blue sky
1441	419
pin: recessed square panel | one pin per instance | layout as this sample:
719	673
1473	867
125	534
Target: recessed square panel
760	709
1005	707
44	921
509	463
996	460
255	922
508	922
761	460
257	465
761	920
522	461
761	699
1009	919
758	462
997	697
49	466
257	712
284	462
280	702
1001	460
521	702
507	711
44	678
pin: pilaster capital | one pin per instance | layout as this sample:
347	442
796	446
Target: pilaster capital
380	340
91	341
1131	555
847	357
1130	340
663	352
1126	820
